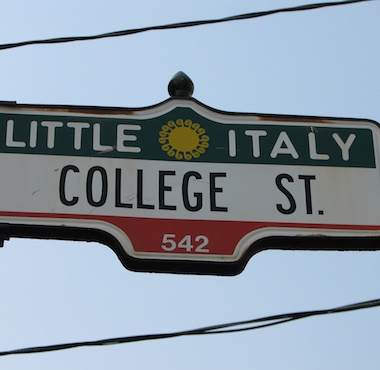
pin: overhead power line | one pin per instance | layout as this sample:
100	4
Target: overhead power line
60	40
234	327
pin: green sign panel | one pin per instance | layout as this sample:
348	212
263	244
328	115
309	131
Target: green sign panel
184	135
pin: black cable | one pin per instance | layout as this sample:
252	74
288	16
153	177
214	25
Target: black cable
215	329
179	25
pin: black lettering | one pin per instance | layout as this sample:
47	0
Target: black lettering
140	203
214	190
306	178
162	189
62	181
90	179
292	202
185	192
118	202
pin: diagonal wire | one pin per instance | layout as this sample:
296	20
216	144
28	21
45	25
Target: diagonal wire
60	40
233	327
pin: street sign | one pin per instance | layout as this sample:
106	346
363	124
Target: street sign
181	187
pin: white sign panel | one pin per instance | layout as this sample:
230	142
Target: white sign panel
180	187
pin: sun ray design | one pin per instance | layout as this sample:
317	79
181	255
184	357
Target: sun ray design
183	139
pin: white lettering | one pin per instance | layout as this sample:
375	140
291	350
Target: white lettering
9	139
313	149
256	140
78	127
51	126
345	147
289	148
96	140
232	143
33	134
121	137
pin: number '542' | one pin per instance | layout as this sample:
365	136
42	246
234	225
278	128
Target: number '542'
188	243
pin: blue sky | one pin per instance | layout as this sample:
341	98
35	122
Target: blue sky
322	63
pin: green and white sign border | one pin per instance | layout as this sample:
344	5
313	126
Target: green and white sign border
181	187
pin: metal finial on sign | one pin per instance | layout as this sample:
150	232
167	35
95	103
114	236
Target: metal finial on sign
181	86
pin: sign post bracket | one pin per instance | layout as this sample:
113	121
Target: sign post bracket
4	233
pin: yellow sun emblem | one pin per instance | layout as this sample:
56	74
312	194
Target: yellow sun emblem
183	139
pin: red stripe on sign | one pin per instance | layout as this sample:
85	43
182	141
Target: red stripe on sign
151	235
